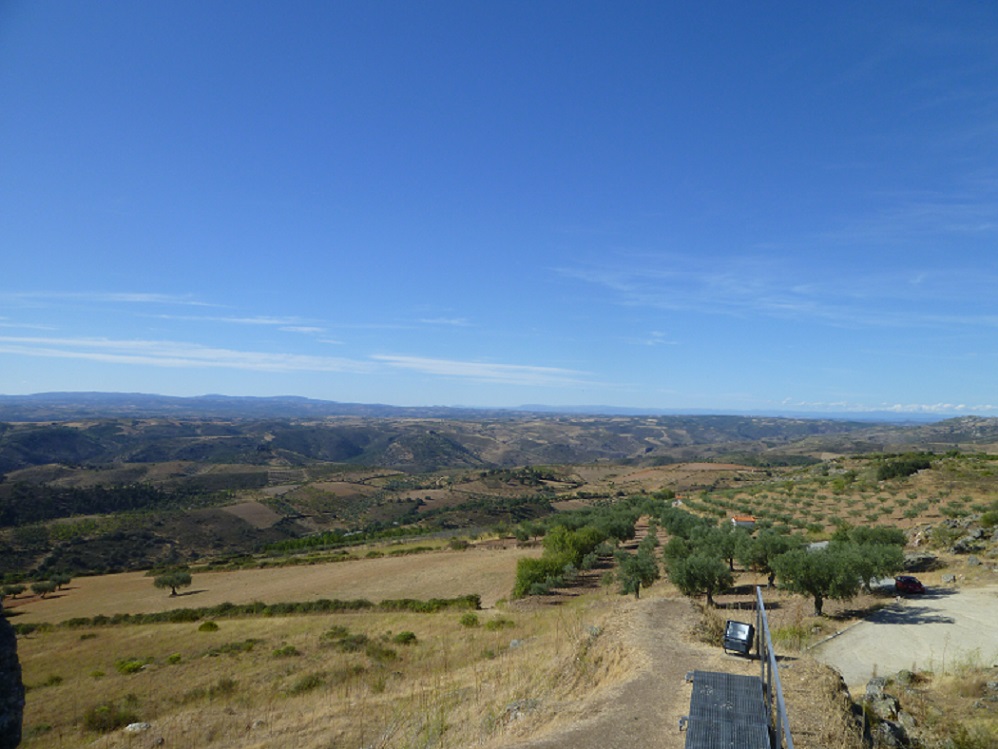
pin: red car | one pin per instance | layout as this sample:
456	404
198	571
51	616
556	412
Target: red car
908	584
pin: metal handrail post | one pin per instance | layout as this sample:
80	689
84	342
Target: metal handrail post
782	724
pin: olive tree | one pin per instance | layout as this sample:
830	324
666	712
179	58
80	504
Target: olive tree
173	580
638	569
820	573
43	588
701	573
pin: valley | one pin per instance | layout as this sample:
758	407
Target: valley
301	537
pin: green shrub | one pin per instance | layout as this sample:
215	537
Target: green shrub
498	623
286	651
194	695
23	630
224	687
793	637
378	652
343	675
173	659
177	616
208	626
405	638
469	619
336	632
902	466
351	643
37	730
131	665
234	648
108	717
307	683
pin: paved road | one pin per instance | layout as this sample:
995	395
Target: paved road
934	632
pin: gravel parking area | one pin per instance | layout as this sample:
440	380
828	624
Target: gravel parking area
934	631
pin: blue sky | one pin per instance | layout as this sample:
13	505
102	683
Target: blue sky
723	205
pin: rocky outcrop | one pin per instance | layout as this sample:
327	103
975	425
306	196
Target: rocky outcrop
11	687
920	561
890	724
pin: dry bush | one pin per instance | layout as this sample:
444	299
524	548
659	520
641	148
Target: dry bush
820	707
710	625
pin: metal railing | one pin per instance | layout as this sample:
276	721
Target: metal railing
779	725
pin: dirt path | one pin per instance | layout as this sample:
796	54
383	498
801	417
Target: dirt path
644	711
935	631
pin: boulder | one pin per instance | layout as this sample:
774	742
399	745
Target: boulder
891	734
875	687
919	561
964	545
884	706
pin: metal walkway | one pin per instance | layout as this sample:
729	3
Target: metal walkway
727	711
731	711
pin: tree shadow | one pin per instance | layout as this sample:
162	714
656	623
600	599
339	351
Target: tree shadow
909	615
736	605
190	593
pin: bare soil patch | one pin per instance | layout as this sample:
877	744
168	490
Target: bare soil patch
254	513
570	504
343	488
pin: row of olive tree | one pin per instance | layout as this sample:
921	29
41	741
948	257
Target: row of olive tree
574	541
853	559
640	568
699	558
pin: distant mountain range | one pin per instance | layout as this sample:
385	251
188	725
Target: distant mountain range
116	428
95	405
69	406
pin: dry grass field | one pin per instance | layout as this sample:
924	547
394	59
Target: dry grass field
488	572
361	679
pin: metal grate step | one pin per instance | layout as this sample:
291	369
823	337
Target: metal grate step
727	711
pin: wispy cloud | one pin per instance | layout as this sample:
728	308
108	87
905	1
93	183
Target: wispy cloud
457	322
939	409
6	323
907	217
306	329
101	297
173	354
654	338
287	323
935	296
506	374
